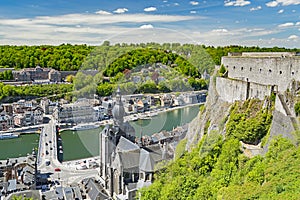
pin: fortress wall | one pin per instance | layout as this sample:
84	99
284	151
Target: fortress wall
264	70
259	91
231	90
279	107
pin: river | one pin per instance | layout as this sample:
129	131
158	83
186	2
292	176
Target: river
83	144
12	148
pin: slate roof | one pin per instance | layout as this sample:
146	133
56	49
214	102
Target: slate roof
130	160
146	161
126	145
95	191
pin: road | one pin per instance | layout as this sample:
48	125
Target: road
48	162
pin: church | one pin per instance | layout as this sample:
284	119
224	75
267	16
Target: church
128	163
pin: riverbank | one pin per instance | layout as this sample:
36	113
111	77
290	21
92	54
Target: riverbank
137	116
25	130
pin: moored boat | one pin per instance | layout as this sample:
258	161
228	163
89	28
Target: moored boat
84	127
4	136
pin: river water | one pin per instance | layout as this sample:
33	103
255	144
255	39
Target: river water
84	144
12	148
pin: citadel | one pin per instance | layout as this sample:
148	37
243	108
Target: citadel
260	75
256	75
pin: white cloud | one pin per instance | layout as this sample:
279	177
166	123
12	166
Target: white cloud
193	12
78	28
272	4
297	24
280	11
286	25
283	3
150	9
176	4
194	3
236	3
147	26
293	37
121	10
222	30
103	12
256	8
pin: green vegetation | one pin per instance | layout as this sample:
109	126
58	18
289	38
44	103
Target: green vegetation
63	57
21	198
6	75
145	56
217	168
59	90
248	121
71	57
222	70
188	59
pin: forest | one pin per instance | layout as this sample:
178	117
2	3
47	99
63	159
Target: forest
68	57
218	169
110	59
7	92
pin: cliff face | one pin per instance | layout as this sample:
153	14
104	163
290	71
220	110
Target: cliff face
212	117
216	111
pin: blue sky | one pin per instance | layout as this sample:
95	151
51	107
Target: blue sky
210	22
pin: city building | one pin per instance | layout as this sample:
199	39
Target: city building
79	112
17	174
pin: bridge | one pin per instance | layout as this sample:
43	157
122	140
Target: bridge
47	158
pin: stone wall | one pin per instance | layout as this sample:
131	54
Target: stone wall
273	70
231	90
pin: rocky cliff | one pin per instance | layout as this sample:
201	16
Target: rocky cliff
216	112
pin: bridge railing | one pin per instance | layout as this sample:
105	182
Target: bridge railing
40	150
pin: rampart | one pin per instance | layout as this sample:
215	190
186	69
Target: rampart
231	90
278	68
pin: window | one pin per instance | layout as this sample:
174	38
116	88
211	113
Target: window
242	68
260	70
250	69
280	72
233	67
270	70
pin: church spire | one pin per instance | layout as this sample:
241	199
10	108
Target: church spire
118	109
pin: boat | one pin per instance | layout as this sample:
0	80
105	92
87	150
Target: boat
84	127
8	136
146	118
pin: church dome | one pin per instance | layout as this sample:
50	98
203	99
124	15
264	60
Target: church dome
118	111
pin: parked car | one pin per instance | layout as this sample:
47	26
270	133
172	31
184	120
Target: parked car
57	169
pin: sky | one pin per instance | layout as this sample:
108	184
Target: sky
264	23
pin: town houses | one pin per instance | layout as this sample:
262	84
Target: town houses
31	112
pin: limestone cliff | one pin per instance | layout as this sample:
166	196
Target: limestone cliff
211	117
214	115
